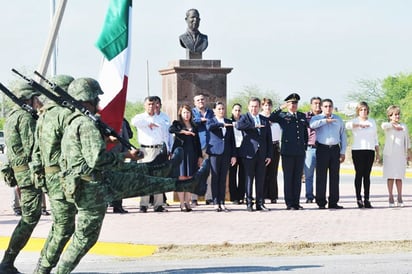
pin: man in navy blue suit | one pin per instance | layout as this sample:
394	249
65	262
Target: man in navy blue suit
255	151
293	148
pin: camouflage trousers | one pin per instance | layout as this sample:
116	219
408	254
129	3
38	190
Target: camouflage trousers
63	217
31	213
91	200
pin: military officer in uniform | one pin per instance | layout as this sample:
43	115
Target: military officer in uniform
293	148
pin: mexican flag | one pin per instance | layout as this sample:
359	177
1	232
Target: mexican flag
114	43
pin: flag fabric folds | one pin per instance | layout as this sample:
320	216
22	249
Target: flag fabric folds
114	43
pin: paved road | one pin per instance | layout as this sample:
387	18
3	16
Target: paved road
143	232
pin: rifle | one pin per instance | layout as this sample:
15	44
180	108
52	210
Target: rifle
66	100
19	102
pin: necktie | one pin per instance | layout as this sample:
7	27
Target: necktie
257	122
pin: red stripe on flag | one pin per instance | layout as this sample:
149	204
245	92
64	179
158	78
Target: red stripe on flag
113	113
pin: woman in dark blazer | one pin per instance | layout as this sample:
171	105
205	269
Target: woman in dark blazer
187	137
222	153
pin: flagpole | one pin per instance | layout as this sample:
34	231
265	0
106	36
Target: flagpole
54	53
147	78
45	60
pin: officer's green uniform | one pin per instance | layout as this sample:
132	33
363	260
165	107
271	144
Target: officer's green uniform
95	176
46	156
19	137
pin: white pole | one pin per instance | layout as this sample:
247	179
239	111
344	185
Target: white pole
147	78
53	65
44	63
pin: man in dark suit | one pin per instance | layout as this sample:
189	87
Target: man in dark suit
293	148
255	151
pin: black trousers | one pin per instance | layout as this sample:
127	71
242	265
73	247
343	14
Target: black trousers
363	161
270	186
237	181
292	178
327	161
219	165
255	171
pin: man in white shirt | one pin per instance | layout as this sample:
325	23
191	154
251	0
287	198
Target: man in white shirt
150	134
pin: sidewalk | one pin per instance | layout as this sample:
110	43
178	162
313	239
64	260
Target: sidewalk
205	226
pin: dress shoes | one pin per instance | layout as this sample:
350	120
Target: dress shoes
367	204
360	204
309	201
298	207
322	207
44	212
262	208
273	201
209	202
17	212
224	208
160	209
120	210
143	209
335	206
250	208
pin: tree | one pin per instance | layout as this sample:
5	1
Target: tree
368	91
243	97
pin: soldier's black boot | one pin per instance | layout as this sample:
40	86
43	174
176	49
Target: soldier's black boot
169	168
7	264
161	157
197	182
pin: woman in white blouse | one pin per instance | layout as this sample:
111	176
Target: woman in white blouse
396	152
365	149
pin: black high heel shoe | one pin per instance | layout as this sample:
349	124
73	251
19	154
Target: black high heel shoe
360	204
187	208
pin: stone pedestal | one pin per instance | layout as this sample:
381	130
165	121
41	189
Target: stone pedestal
183	79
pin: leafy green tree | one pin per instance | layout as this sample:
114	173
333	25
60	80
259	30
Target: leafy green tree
131	110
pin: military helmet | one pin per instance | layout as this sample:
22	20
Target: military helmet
62	81
24	91
85	89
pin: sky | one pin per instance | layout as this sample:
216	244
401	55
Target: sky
312	47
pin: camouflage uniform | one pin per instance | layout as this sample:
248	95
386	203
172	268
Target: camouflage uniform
94	176
46	156
19	137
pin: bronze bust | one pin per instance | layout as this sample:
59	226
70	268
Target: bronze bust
193	40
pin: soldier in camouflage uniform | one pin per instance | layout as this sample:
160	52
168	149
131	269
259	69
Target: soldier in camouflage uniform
46	155
94	176
19	137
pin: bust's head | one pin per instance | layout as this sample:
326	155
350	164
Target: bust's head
192	19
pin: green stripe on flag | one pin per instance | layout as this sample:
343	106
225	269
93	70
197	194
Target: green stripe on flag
114	36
